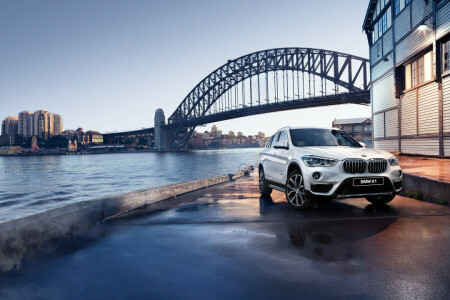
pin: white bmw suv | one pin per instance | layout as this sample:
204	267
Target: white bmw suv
309	164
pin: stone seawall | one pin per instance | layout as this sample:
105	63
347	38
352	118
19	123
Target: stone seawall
423	188
28	234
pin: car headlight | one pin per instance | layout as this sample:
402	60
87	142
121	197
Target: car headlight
393	161
316	161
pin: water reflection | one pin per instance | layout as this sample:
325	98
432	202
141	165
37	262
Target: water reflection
327	233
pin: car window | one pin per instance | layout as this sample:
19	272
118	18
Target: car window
282	137
321	137
276	136
269	142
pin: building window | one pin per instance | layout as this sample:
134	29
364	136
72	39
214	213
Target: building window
446	54
418	71
399	5
382	25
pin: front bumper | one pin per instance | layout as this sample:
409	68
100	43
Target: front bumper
334	183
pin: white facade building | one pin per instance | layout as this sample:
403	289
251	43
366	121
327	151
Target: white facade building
410	75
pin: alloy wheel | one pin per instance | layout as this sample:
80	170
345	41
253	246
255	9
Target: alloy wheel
296	190
261	180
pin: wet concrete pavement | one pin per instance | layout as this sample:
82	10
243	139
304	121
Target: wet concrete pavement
433	168
226	242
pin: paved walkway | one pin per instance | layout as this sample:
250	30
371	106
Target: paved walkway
225	242
433	168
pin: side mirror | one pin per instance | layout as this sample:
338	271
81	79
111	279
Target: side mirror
363	144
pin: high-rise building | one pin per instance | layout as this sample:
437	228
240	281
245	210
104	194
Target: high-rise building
30	126
10	126
24	124
43	124
58	124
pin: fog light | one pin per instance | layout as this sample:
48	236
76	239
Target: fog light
316	175
400	173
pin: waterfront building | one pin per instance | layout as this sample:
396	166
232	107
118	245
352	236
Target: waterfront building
80	137
25	127
10	126
58	124
94	137
30	126
410	75
358	128
213	132
68	133
43	124
14	150
72	146
9	140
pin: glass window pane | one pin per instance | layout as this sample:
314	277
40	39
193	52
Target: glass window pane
376	32
428	65
389	17
407	76
420	71
283	137
446	54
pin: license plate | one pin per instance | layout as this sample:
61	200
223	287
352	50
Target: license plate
368	181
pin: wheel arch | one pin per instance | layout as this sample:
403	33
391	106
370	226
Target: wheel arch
293	166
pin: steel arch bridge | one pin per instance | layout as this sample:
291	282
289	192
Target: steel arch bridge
268	81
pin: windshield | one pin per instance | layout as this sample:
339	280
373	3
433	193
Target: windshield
321	137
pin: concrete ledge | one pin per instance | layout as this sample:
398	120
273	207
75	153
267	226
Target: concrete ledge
31	233
423	188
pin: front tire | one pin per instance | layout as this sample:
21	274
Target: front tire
295	192
380	200
264	188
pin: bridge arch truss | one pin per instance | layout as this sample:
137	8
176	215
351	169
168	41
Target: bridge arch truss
271	80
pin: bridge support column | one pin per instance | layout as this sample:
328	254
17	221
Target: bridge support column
163	135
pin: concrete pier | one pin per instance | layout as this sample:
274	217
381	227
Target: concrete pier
426	178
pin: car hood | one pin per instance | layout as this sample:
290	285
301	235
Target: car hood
342	152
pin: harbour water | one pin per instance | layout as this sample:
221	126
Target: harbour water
37	183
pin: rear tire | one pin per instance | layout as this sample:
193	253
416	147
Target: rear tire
264	188
295	192
380	200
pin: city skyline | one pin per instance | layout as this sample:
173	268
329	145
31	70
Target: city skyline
128	64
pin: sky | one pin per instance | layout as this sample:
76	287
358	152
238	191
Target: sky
107	65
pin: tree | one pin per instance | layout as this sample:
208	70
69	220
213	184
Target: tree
57	141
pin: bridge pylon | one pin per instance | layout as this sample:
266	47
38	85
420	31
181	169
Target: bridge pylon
163	134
